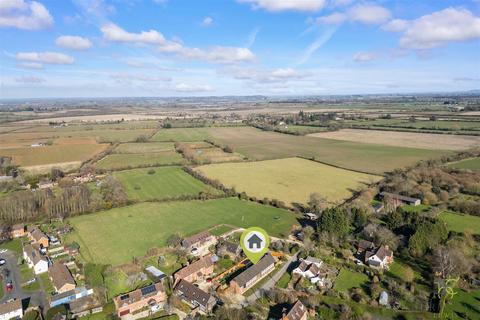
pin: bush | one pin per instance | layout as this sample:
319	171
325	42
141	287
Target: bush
151	171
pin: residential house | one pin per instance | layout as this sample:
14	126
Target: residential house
18	230
194	296
11	310
197	270
230	249
198	244
297	312
310	268
69	296
151	296
253	274
35	259
37	236
380	257
397	200
364	245
61	278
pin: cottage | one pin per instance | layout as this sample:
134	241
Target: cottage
297	312
364	245
198	244
37	236
18	230
61	278
381	257
253	274
11	310
152	296
35	259
197	270
310	268
397	199
194	296
230	249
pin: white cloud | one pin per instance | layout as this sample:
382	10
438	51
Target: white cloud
27	15
30	65
114	33
264	76
364	56
283	5
73	42
362	13
396	25
217	54
341	3
207	21
440	28
316	44
30	79
40	58
186	87
128	77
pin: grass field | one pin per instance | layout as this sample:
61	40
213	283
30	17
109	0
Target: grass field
290	180
300	130
117	235
464	305
62	150
470	164
182	134
215	155
124	161
347	279
165	182
461	222
149	147
403	139
373	158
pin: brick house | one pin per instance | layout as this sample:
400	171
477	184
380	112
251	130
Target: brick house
61	278
146	297
197	270
199	243
18	230
297	312
11	310
37	236
194	296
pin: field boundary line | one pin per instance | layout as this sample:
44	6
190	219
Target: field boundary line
339	167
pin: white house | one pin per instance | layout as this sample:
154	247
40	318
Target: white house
310	268
35	259
381	257
11	310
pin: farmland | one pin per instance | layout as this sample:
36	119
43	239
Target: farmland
149	147
405	139
470	164
125	161
372	158
182	134
161	182
291	180
60	152
460	222
117	235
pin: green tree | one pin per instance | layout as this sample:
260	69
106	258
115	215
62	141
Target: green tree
335	221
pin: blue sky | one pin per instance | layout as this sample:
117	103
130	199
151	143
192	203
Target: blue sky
115	48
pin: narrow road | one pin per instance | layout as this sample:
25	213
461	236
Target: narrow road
270	283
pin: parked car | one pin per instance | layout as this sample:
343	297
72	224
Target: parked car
2	262
3	250
9	286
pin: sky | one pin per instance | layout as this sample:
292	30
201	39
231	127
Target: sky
150	48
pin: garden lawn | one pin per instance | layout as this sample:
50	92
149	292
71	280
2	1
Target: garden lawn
349	279
290	180
464	305
164	182
14	245
117	235
461	222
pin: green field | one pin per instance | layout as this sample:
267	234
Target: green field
464	305
290	180
461	222
470	164
117	235
125	161
347	279
165	182
148	147
300	130
182	134
372	158
103	135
